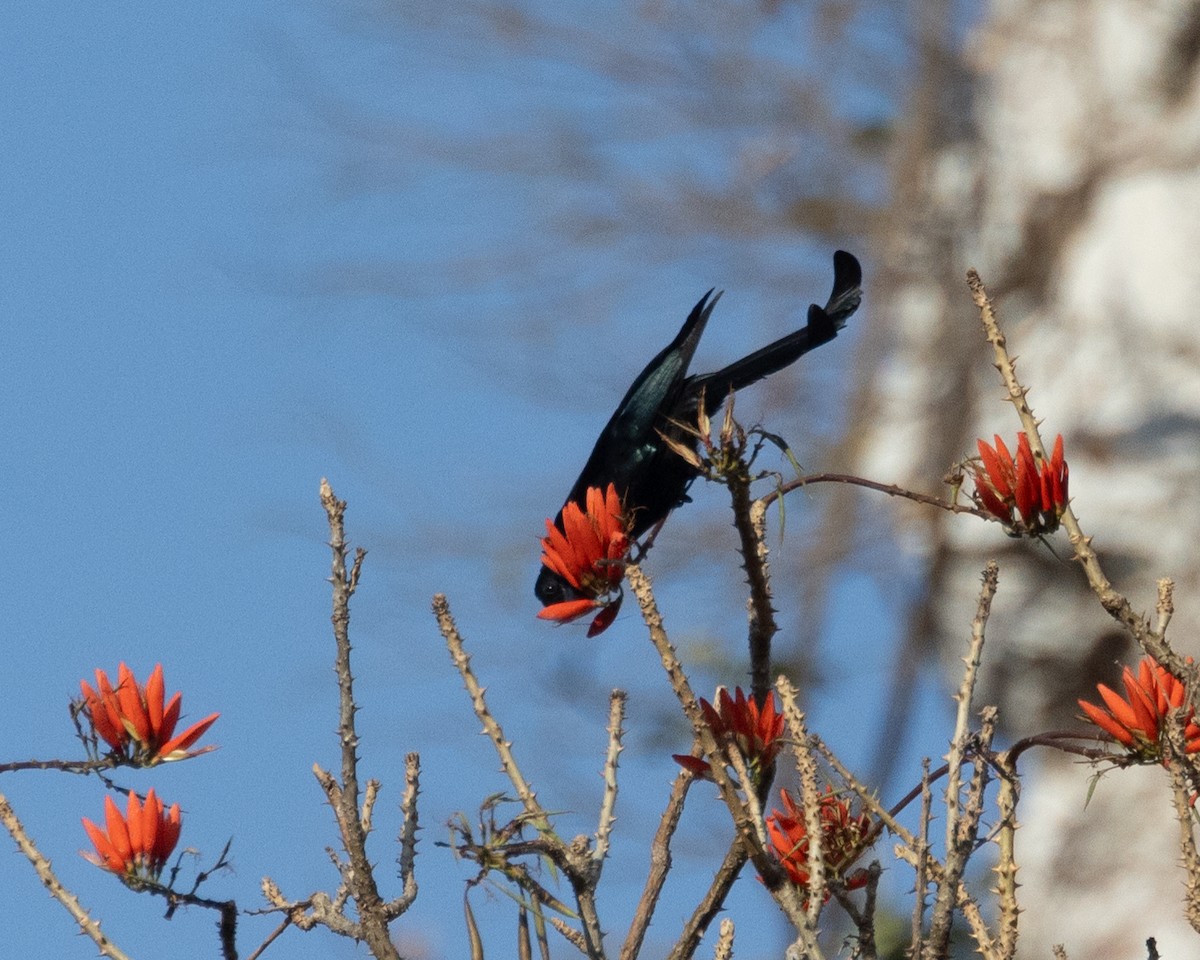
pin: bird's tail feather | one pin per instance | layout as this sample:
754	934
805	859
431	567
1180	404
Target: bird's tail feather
823	325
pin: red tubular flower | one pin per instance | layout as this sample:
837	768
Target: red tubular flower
139	843
843	839
589	553
134	721
1028	498
1136	720
756	731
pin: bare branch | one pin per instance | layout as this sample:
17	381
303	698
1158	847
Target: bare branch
810	792
891	489
89	926
408	837
960	830
749	832
1006	866
724	947
749	519
1115	603
660	866
708	908
441	609
616	714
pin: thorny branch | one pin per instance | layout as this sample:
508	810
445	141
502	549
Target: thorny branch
1116	604
751	834
352	806
576	860
660	867
891	489
616	717
90	927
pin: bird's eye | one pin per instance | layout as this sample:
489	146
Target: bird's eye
549	588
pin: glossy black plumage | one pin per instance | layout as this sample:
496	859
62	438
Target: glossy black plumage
651	479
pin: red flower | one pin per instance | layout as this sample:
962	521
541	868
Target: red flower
133	721
139	843
756	731
1136	722
589	553
843	839
1025	496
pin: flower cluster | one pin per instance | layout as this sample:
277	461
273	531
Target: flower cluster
844	837
139	843
589	554
1136	721
738	719
1028	498
134	721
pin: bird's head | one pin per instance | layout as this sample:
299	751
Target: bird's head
552	588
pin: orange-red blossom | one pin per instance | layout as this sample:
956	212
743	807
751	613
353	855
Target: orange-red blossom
843	839
756	730
589	553
139	843
1136	721
134	721
1025	496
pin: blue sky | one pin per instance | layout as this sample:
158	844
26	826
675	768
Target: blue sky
244	249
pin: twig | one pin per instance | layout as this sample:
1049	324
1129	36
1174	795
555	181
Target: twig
966	904
660	866
576	861
962	734
863	920
408	837
750	833
1006	866
1115	603
51	882
724	947
449	631
357	873
271	938
616	714
959	830
891	489
573	936
372	915
810	792
1180	791
67	766
968	825
921	849
1166	605
912	851
711	904
749	519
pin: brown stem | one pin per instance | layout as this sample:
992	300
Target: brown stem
660	866
576	861
1115	603
51	882
1006	867
891	489
749	520
360	877
66	766
714	899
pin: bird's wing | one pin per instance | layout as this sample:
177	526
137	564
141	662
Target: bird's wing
629	436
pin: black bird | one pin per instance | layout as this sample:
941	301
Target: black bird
651	478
